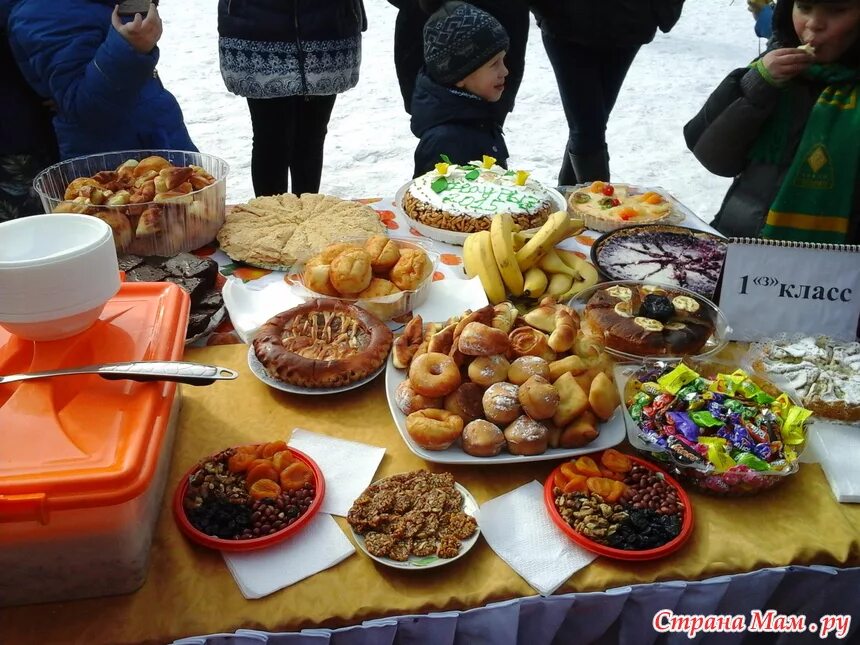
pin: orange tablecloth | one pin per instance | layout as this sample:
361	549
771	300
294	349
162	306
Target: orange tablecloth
189	590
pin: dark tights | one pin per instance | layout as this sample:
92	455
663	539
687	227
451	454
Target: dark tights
289	136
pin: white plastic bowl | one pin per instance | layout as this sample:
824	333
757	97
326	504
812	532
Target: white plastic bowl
56	274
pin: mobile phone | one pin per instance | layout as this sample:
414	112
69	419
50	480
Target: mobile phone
131	7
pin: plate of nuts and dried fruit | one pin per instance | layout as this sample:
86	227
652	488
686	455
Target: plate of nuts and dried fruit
248	497
619	506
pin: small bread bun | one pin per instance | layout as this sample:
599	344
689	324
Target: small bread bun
486	370
383	252
466	402
409	401
316	277
525	436
411	269
478	339
501	403
483	439
350	271
523	368
434	429
538	398
329	253
377	288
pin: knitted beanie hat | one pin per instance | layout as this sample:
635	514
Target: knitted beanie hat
458	39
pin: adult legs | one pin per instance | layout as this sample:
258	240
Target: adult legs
272	121
311	126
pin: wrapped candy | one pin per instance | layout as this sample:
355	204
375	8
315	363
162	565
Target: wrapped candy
683	452
752	462
677	378
763	451
717	453
716	410
684	425
704	419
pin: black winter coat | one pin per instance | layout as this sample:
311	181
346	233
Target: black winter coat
455	123
606	23
290	20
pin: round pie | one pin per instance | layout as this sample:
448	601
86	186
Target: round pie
322	343
606	207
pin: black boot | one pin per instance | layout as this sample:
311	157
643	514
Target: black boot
590	167
567	176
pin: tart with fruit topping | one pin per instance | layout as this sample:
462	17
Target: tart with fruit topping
606	207
322	343
648	320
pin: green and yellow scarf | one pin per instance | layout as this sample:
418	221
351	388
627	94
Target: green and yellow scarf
815	200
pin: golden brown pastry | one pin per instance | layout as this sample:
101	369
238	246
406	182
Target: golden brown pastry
478	339
483	439
504	316
330	252
406	345
434	429
443	340
378	288
486	370
562	337
433	374
350	271
538	397
383	252
580	432
409	401
525	436
484	315
316	277
148	164
465	402
523	368
501	403
543	316
411	269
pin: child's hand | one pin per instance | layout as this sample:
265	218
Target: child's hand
141	33
785	64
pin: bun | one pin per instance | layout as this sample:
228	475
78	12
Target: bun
538	398
525	367
526	436
483	439
478	339
350	271
384	253
486	370
465	402
410	270
501	403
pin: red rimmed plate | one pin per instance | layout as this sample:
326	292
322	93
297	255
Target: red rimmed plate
623	554
250	544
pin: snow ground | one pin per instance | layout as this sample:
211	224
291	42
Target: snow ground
369	146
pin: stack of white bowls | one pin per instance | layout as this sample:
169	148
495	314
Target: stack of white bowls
57	272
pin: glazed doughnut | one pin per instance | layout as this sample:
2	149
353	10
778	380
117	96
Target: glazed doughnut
479	339
486	370
465	402
409	401
483	439
525	436
411	269
434	375
350	271
501	403
434	429
383	252
538	398
523	368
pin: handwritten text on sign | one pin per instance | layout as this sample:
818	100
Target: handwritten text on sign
771	290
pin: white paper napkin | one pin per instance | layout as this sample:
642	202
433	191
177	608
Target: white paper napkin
317	547
451	297
347	466
518	528
249	308
836	447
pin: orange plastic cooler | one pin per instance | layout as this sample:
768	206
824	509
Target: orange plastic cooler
83	460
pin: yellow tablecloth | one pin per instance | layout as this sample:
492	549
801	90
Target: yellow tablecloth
189	590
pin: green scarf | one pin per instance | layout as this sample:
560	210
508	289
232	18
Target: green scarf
815	200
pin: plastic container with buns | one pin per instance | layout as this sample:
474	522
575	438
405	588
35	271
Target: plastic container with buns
174	221
385	307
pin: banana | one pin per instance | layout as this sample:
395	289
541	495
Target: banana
553	231
535	283
470	257
519	240
484	262
559	283
588	279
502	239
570	258
552	263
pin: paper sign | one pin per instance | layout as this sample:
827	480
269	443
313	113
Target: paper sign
774	287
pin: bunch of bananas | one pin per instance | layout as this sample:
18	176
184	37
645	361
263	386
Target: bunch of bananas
509	262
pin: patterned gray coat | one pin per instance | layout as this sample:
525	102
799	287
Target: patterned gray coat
276	48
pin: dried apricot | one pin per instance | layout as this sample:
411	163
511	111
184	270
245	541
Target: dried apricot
559	479
601	486
587	466
610	474
296	475
263	488
261	471
576	484
617	461
282	459
239	462
618	489
251	449
568	469
271	448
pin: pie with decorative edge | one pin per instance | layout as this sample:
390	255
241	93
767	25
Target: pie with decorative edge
322	343
606	207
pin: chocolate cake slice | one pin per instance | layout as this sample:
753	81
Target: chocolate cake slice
186	265
145	273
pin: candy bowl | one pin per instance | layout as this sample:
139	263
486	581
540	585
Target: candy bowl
714	426
619	506
248	497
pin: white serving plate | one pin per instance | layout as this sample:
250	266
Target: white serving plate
261	373
612	433
470	507
455	237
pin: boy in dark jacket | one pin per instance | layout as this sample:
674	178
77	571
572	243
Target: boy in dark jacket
453	107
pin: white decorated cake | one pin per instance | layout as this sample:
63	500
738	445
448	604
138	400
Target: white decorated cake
464	198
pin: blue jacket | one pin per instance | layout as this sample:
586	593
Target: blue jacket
455	123
764	22
107	95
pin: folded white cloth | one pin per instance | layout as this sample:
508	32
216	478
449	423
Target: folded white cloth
347	466
836	446
517	526
318	546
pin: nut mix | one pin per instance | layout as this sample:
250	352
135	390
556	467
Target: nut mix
616	502
249	492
